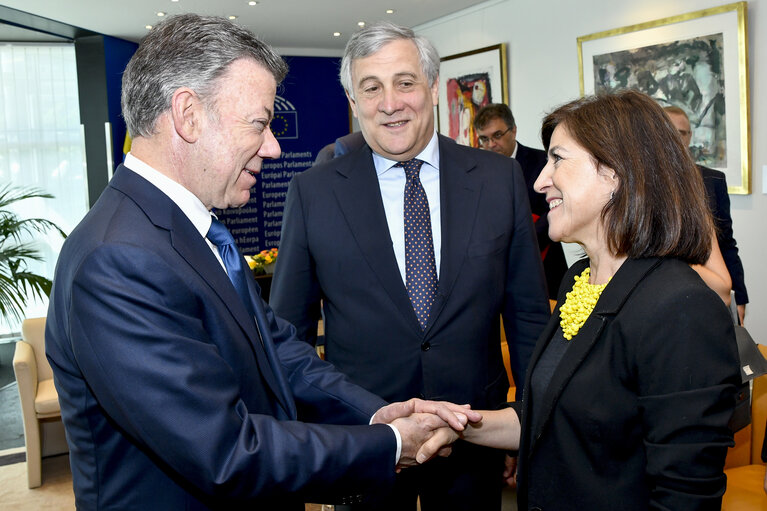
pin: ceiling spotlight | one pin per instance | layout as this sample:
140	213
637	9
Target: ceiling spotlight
360	24
148	27
174	1
336	34
252	2
161	14
232	17
389	11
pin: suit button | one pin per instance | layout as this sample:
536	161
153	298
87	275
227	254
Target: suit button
426	346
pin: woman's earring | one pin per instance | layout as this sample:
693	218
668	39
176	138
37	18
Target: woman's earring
612	194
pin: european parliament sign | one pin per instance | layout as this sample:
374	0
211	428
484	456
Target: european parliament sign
310	111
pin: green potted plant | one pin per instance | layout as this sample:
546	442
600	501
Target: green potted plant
17	283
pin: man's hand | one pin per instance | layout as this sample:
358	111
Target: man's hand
510	471
742	313
416	429
437	445
456	416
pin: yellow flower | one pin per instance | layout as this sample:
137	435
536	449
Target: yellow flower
260	260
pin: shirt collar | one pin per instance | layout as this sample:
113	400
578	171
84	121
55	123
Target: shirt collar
430	155
188	202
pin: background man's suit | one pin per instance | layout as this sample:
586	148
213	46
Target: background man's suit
719	202
336	247
148	338
532	162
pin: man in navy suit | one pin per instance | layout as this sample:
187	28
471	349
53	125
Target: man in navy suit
179	388
497	132
719	202
415	246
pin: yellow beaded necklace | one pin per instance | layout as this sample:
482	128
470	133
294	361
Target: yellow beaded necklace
579	304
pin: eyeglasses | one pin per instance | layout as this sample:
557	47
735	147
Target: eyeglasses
483	140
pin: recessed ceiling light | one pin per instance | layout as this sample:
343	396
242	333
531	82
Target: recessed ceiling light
252	2
361	23
336	34
174	1
232	17
389	11
148	27
161	14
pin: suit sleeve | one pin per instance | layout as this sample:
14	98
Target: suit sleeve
141	339
687	368
526	306
322	393
295	294
726	239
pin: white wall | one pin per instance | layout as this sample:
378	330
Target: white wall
543	66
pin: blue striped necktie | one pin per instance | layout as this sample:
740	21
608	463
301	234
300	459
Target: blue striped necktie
220	236
420	267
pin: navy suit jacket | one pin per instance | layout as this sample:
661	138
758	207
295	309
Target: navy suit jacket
532	162
636	413
336	247
719	202
172	396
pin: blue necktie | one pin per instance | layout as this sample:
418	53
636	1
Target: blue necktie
236	269
420	267
266	355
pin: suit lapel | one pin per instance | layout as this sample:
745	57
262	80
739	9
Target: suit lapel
459	200
188	243
610	303
359	198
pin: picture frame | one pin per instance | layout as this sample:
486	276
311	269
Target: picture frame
468	81
697	61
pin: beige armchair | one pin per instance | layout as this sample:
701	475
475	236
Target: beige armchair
39	400
744	467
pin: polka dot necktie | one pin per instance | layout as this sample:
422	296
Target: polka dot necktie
220	236
420	268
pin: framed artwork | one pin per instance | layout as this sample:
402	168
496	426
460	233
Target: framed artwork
697	61
467	82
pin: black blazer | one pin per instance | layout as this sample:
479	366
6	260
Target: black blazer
719	202
532	162
336	246
635	416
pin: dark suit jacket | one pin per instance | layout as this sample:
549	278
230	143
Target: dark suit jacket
171	395
635	415
336	247
532	162
719	202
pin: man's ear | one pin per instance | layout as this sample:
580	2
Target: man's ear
352	103
435	92
187	112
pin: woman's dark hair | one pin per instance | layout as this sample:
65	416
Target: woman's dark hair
659	207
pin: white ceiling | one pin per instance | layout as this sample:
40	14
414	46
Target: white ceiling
282	23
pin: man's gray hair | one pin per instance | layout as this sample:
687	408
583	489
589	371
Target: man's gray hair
186	51
372	38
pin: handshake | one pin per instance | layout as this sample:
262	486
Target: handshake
427	428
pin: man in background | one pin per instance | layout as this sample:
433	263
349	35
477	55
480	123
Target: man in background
498	133
719	202
415	246
179	387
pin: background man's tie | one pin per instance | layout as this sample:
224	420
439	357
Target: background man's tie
236	269
420	268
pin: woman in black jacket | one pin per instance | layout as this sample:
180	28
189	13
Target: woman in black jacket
632	384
